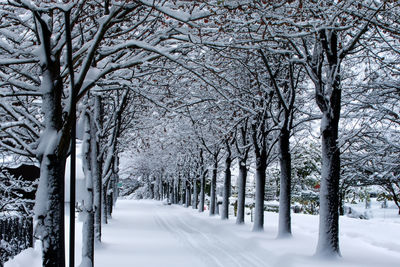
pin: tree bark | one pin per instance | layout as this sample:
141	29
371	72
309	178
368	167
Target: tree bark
53	149
242	160
88	213
187	194
175	191
116	180
110	198
241	192
260	151
195	193
328	239
52	171
157	188
227	185
202	190
202	182
284	229
179	191
96	162
258	225
104	204
214	187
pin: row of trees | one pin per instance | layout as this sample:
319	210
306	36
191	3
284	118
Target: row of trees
262	63
188	85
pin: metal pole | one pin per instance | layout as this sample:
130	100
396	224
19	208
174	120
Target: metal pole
73	142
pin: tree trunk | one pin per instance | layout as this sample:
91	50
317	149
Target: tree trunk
88	213
216	205
284	229
50	217
241	192
202	191
88	239
172	192
161	188
179	191
116	180
202	182
104	204
97	167
109	203
157	188
195	194
328	239
227	186
52	154
187	194
258	225
260	150
176	201
213	188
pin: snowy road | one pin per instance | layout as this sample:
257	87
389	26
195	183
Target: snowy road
148	233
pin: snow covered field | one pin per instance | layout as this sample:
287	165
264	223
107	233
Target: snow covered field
149	233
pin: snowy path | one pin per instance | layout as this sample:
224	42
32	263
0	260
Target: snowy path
147	233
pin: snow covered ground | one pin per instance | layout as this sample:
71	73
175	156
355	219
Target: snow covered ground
149	233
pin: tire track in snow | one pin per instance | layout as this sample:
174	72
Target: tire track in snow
230	247
212	243
208	257
212	249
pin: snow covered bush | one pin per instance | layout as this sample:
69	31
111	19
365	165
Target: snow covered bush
16	234
14	192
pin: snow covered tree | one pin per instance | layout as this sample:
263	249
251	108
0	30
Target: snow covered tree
98	48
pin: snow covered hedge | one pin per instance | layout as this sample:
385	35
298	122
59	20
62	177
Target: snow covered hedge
16	234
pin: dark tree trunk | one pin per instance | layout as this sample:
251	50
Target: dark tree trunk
285	185
241	192
216	205
328	241
167	191
115	181
202	190
115	189
227	185
260	151
242	160
49	206
202	182
161	187
187	194
104	205
213	196
110	202
172	191
96	165
179	193
260	192
157	188
195	193
176	191
52	171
